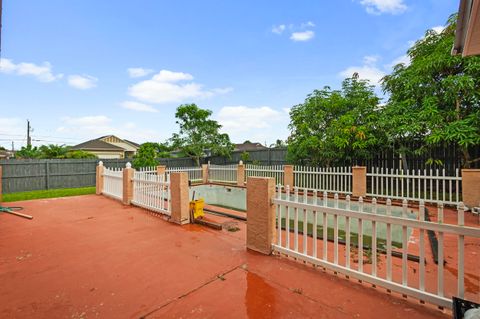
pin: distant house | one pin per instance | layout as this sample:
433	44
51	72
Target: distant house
4	154
109	146
249	146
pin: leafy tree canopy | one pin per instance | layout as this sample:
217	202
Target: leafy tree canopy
335	124
199	134
435	98
149	152
51	151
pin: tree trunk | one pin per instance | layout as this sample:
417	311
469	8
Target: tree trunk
466	158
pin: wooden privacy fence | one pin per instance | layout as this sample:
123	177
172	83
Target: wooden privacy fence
301	222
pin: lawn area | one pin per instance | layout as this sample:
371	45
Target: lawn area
51	193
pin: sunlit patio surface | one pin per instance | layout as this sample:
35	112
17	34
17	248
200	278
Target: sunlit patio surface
92	257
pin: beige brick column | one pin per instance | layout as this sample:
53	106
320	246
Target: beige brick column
161	169
240	174
179	198
261	214
127	184
99	178
1	190
205	173
288	176
359	181
471	187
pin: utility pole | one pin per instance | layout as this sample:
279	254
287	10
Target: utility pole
29	138
13	146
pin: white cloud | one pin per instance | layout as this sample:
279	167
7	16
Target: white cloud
405	59
384	6
163	87
253	123
368	71
94	126
137	106
82	82
302	36
42	73
278	29
138	72
307	25
438	28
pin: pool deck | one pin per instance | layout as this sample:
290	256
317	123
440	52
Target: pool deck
91	257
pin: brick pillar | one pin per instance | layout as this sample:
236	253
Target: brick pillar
99	178
359	181
205	173
1	191
179	198
127	184
240	175
161	169
261	214
288	176
471	187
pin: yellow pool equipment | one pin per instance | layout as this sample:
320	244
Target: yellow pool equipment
196	207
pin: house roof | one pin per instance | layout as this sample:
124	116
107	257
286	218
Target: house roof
97	145
467	33
133	143
249	146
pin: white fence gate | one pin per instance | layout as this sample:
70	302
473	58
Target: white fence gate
113	182
318	212
152	192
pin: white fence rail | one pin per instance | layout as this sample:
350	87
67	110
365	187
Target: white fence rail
222	173
194	173
292	208
332	179
275	171
113	182
432	186
152	192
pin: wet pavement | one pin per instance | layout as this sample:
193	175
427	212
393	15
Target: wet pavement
92	257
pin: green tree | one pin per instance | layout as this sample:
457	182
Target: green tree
146	155
53	151
335	125
199	135
435	98
28	152
278	144
76	154
245	157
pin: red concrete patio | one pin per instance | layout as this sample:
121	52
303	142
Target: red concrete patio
92	257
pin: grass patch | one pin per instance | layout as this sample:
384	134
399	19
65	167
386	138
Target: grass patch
51	193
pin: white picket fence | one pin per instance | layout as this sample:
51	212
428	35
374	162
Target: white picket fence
113	182
152	192
318	212
195	174
275	171
222	173
331	179
432	186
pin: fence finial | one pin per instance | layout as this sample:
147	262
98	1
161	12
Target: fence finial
100	163
128	165
240	162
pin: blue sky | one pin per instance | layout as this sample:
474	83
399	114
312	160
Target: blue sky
81	69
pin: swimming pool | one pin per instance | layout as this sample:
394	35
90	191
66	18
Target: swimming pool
236	198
